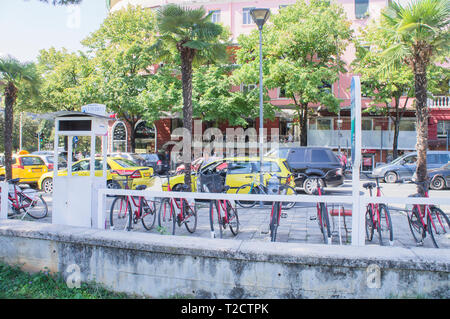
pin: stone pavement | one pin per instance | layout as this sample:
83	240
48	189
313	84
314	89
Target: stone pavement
299	224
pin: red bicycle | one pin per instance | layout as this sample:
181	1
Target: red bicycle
275	213
429	218
227	214
378	216
28	202
187	212
322	217
128	210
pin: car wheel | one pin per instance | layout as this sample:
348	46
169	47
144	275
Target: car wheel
437	183
47	185
310	184
390	177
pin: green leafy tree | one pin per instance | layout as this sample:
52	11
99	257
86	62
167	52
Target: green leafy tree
300	55
386	89
190	35
417	35
65	77
15	76
123	63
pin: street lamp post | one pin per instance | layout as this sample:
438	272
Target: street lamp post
260	16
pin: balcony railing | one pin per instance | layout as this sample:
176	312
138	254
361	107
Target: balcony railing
370	139
442	101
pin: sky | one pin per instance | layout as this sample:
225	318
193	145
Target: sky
27	26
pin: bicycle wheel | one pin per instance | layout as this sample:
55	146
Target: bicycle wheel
211	218
233	218
369	223
165	215
288	190
37	208
147	211
438	225
325	224
190	216
385	224
120	216
246	189
275	220
220	216
416	226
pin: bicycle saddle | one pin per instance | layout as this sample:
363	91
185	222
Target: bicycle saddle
141	187
14	181
369	185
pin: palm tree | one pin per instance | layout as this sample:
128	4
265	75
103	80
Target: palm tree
418	33
190	34
14	75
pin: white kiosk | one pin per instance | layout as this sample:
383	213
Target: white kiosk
75	194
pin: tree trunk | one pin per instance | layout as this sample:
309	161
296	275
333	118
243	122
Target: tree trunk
422	127
187	56
10	99
304	125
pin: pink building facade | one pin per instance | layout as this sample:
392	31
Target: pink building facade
329	129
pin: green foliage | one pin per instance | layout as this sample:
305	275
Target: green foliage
29	129
122	58
300	49
17	284
65	77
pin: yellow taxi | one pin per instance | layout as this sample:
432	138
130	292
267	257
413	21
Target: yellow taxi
238	171
121	165
29	168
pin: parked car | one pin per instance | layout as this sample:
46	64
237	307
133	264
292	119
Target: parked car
312	162
238	171
404	167
122	165
157	161
440	177
135	157
48	160
28	168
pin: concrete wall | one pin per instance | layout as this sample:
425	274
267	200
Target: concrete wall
163	266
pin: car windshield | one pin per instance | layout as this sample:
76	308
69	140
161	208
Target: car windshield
398	159
137	157
61	160
281	152
125	162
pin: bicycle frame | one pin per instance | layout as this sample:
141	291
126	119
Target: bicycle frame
426	213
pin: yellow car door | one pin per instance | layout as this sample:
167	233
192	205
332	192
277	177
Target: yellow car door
81	168
239	173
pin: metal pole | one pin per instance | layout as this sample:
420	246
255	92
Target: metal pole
20	133
39	141
261	125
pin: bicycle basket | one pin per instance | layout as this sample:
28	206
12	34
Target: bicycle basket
122	182
212	183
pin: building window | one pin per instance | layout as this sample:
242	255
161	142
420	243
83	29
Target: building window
282	93
119	143
361	8
442	128
320	124
246	17
248	87
215	16
366	124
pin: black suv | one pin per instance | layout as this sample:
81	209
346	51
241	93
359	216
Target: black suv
311	161
159	162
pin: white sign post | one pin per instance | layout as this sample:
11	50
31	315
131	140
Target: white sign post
358	217
4	200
